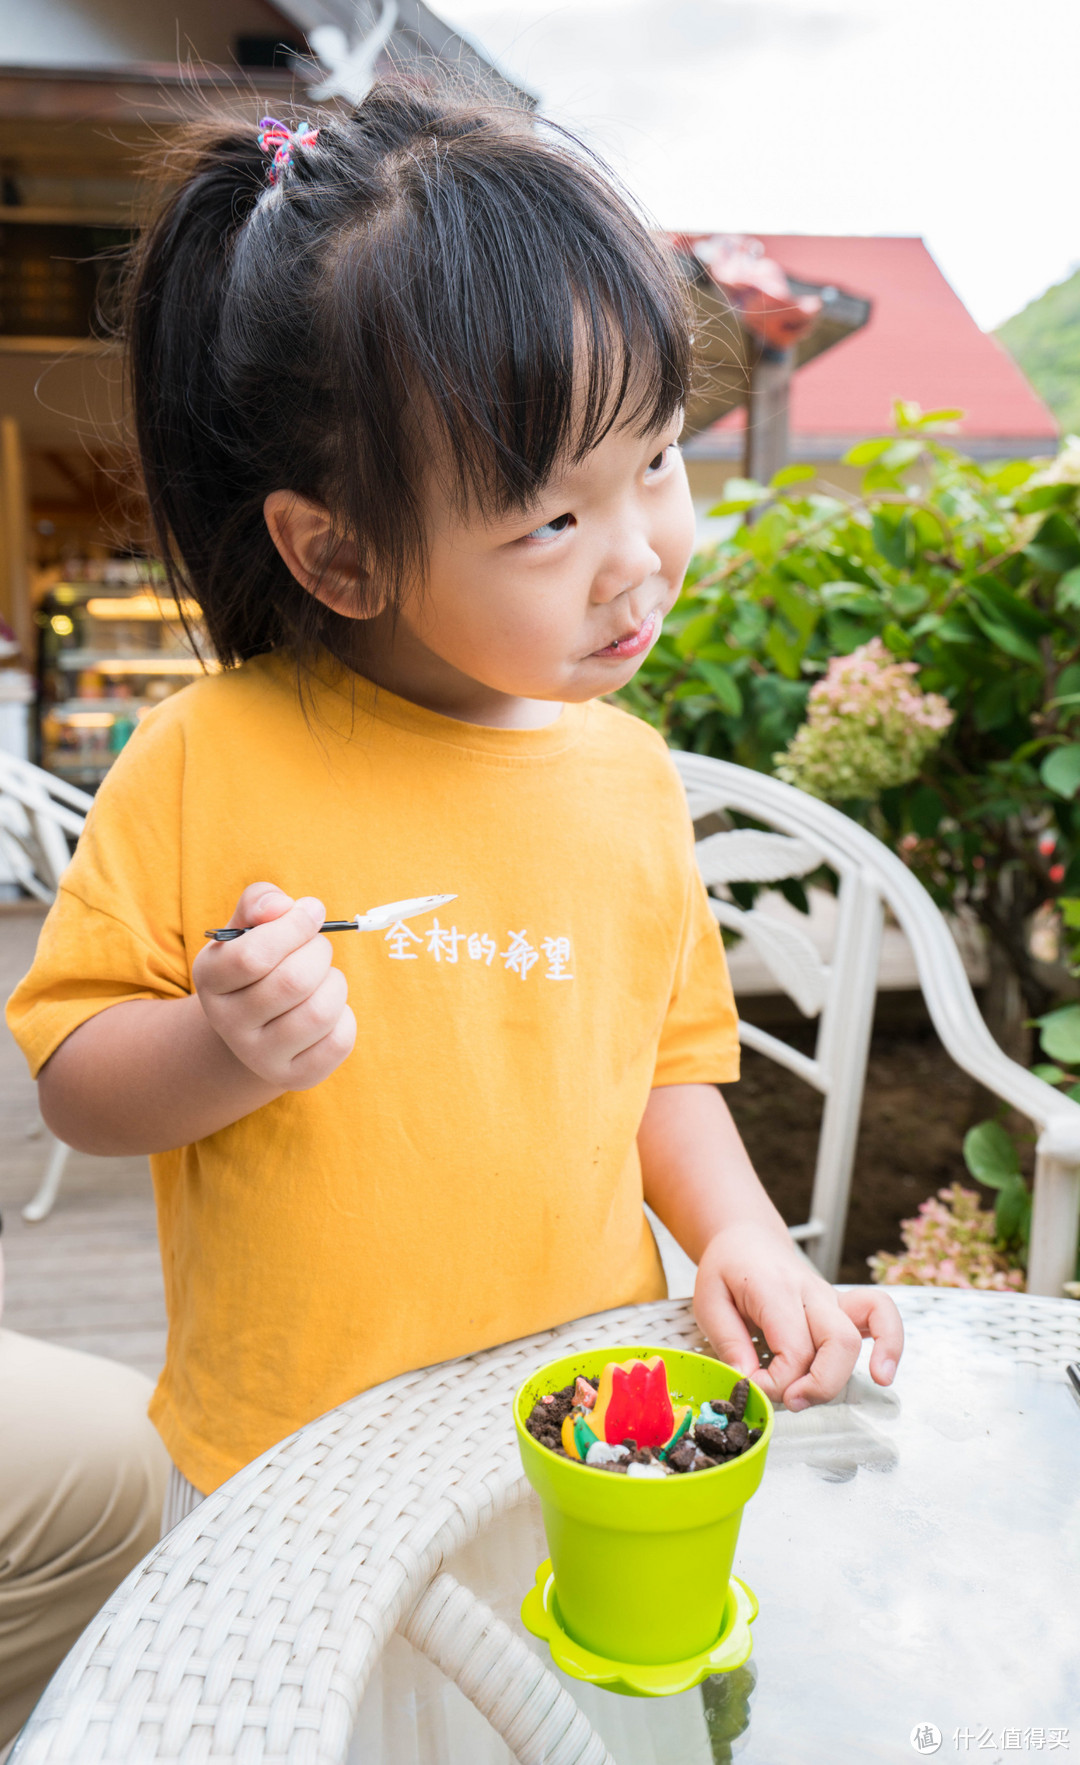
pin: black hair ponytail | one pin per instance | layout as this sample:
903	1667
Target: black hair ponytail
427	272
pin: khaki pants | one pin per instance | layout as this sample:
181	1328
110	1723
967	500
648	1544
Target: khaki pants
82	1480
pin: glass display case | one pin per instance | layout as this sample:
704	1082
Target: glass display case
110	649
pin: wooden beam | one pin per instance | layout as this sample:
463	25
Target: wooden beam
14	540
767	414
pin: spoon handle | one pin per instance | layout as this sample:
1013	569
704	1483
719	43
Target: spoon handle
229	932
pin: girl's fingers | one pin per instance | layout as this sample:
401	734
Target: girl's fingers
294	980
259	902
874	1314
720	1323
310	1020
319	1061
784	1325
836	1350
229	968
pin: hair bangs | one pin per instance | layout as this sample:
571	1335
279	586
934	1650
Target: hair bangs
519	309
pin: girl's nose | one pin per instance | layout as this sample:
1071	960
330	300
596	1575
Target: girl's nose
629	562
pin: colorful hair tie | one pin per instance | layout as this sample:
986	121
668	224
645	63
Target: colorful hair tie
277	140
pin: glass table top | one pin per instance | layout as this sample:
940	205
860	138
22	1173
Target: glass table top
916	1555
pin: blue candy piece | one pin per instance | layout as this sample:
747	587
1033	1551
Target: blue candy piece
712	1418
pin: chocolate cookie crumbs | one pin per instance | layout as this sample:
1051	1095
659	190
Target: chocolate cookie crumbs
682	1456
715	1441
703	1447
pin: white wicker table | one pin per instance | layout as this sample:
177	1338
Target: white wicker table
916	1558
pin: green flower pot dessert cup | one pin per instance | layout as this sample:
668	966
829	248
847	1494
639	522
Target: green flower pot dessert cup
638	1593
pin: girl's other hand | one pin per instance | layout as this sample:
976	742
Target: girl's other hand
273	995
749	1276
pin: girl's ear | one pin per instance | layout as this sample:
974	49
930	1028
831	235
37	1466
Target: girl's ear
324	563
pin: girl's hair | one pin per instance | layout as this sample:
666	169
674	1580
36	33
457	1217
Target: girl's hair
431	278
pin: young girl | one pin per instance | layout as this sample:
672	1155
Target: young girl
407	391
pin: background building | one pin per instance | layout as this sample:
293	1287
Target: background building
812	337
918	342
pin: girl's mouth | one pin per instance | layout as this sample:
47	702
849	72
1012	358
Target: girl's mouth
637	642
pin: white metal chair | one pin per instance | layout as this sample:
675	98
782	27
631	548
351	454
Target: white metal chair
802	834
37	815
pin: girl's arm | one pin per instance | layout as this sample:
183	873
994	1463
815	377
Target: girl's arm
268	1015
699	1180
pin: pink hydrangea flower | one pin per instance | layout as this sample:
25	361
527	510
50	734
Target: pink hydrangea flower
951	1242
868	726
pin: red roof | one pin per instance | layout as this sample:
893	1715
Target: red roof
920	343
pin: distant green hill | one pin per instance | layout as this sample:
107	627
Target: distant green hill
1045	340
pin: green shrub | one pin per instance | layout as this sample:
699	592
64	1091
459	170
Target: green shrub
968	572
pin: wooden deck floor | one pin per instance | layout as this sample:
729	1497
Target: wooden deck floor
90	1275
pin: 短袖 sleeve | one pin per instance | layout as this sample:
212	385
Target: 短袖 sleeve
114	931
699	1043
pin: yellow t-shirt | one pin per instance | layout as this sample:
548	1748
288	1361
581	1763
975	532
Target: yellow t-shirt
470	1173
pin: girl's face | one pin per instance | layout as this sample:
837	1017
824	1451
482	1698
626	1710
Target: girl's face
560	605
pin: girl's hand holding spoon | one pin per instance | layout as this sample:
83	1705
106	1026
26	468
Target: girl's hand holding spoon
273	996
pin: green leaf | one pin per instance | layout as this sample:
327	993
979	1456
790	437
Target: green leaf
927	811
1073	1093
851	597
696	631
907	413
800	613
990	1155
748	624
897	640
1002	633
792	475
1060	771
1056	546
740	494
1044	496
727	694
794	893
909	597
1067	593
928	622
892	539
1069	908
694	703
957	628
1013	1211
1052	1075
768	534
866	452
901	454
787	652
846	631
1011	476
1060	1037
998	596
930	419
995	705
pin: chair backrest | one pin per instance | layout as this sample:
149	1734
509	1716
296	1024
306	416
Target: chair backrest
37	814
798	835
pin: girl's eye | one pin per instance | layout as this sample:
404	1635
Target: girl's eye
661	458
550	529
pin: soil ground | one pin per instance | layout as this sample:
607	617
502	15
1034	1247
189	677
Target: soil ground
916	1110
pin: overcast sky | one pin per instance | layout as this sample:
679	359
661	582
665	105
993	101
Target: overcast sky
955	119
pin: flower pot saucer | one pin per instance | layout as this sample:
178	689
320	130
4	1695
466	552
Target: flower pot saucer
540	1614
